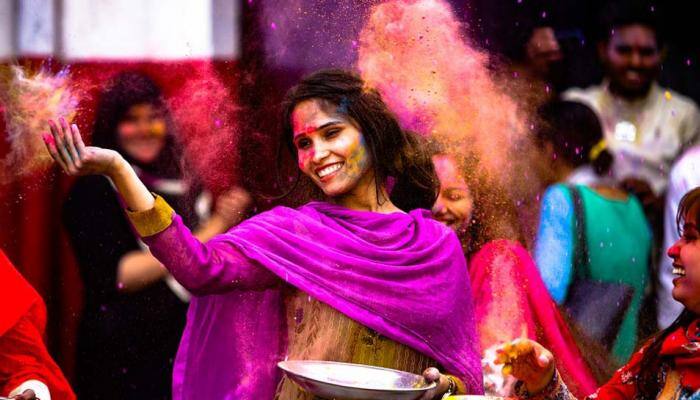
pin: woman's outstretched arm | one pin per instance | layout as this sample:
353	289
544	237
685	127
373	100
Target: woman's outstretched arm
202	269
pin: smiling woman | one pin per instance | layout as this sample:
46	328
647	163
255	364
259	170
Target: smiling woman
371	277
337	118
666	367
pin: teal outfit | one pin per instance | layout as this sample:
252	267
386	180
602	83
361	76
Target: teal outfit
619	245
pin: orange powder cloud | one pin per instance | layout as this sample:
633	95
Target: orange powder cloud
440	85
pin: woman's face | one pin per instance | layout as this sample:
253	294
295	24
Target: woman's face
142	132
454	204
686	264
330	149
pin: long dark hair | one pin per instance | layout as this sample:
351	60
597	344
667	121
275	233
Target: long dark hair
394	152
124	91
574	130
648	385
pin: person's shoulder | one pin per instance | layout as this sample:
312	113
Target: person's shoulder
558	191
280	213
690	157
557	198
585	95
687	167
502	247
679	99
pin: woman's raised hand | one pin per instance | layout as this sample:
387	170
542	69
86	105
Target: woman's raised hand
528	362
66	147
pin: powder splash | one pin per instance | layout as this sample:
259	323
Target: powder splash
439	85
29	100
205	112
307	35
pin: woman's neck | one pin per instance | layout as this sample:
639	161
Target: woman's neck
367	196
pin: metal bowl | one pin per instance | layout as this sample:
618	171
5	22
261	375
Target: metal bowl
335	380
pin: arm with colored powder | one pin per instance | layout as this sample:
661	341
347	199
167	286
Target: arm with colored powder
215	267
555	241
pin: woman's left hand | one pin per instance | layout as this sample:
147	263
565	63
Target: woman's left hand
443	384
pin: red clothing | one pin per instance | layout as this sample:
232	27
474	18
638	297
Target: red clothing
511	301
23	355
680	352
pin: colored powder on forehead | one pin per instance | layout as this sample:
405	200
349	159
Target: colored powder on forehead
29	100
205	114
438	84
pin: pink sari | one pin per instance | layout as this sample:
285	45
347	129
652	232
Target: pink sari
511	301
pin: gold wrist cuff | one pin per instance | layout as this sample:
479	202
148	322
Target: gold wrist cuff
156	220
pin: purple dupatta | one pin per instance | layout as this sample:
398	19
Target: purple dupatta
403	275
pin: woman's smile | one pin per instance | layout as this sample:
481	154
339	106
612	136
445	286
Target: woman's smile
328	171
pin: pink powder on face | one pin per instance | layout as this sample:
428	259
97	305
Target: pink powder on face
305	157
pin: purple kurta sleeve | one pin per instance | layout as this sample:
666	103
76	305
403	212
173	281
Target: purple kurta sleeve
215	267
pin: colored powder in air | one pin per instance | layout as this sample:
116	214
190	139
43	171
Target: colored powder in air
29	100
306	35
205	113
440	85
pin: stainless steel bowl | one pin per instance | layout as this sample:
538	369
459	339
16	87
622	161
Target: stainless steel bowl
334	380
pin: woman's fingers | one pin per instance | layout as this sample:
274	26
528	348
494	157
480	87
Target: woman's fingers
51	146
70	145
59	140
431	374
544	357
78	140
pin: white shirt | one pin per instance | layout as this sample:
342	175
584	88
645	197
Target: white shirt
685	175
645	136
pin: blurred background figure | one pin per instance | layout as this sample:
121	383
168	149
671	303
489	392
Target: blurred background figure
615	230
538	63
646	126
134	310
27	371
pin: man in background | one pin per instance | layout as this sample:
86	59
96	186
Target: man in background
646	126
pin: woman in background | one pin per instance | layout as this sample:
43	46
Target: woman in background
134	310
617	234
510	299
